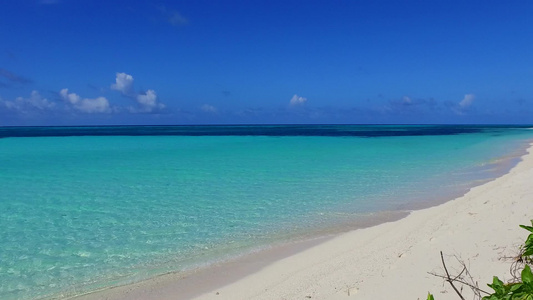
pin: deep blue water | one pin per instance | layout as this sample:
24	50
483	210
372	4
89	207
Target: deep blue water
257	130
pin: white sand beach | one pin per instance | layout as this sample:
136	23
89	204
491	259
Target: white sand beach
387	261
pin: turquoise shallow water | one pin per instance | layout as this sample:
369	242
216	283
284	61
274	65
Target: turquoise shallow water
79	213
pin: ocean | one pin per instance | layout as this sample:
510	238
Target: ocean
85	208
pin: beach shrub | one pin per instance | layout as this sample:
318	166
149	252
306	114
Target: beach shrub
527	248
520	289
513	291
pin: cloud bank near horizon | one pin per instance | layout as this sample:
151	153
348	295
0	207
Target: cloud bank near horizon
67	102
146	102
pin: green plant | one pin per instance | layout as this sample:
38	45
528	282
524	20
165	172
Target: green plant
522	289
528	245
513	291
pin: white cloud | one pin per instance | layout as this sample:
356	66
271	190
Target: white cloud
97	105
148	101
86	105
208	108
36	101
297	100
467	100
71	98
123	83
406	100
32	103
463	106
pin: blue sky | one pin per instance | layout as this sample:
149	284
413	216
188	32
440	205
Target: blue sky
85	62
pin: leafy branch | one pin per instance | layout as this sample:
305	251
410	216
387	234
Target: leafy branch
520	288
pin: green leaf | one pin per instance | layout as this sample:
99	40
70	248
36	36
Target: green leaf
528	252
529	228
527	288
527	276
496	282
529	240
526	297
491	297
515	287
497	286
430	297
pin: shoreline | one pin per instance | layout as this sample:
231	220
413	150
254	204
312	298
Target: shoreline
293	270
190	284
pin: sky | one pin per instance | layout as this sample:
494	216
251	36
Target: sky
92	62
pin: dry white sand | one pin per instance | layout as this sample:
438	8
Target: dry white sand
388	261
